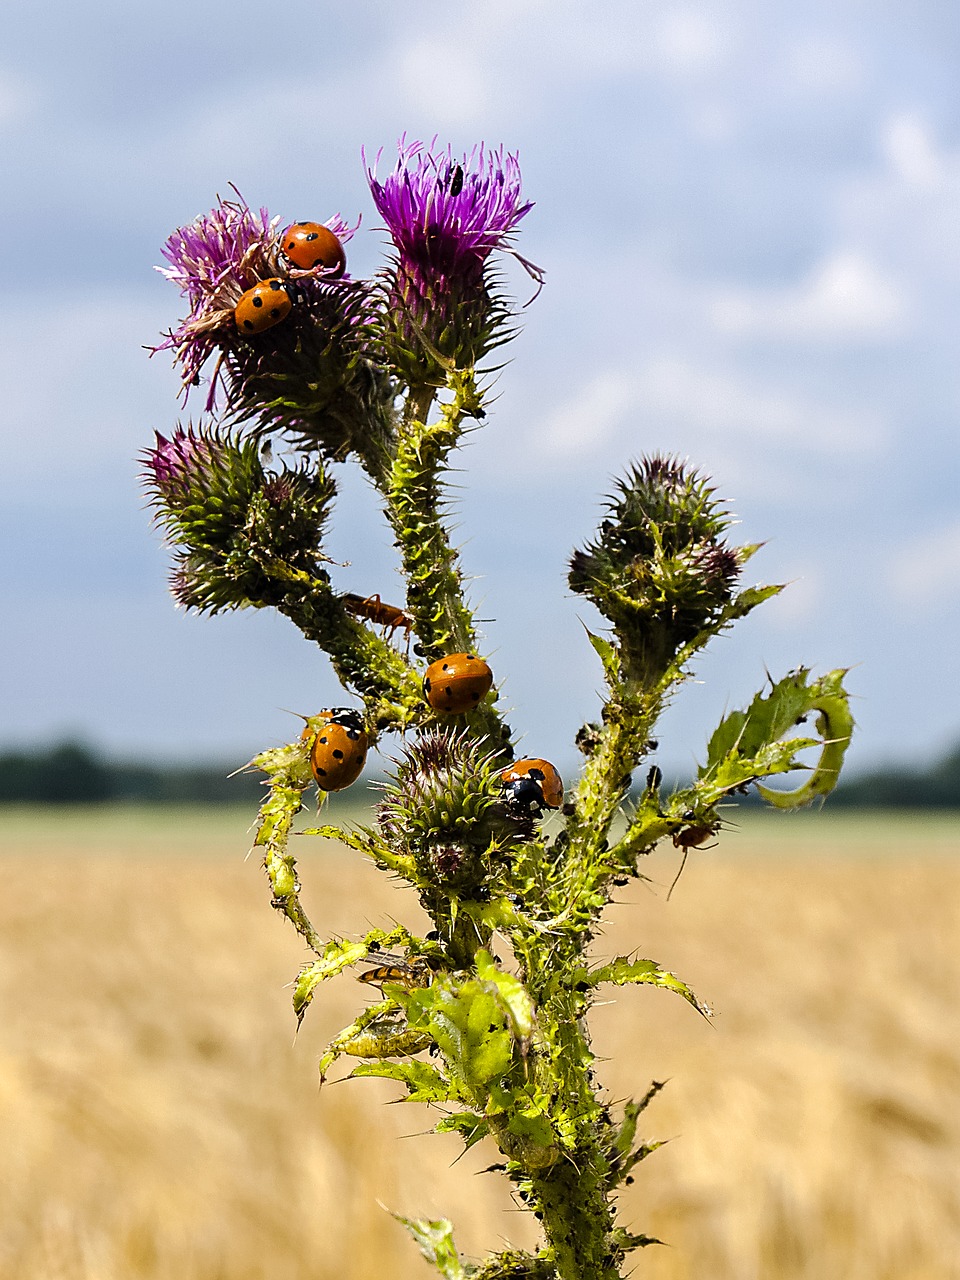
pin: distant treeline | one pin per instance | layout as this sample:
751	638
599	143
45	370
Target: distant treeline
72	773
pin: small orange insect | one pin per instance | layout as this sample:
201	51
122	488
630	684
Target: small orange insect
383	615
263	306
310	244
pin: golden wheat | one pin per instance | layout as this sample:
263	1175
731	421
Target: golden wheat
160	1121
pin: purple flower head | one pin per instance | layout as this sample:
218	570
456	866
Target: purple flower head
213	260
170	465
446	216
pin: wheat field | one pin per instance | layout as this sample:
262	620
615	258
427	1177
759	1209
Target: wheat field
160	1120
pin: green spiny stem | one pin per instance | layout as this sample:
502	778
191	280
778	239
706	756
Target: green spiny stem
414	498
571	1193
629	718
284	801
361	658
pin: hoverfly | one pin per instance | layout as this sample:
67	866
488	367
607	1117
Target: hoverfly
404	971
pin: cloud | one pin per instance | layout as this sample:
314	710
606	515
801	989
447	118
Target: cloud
911	152
695	400
926	571
846	298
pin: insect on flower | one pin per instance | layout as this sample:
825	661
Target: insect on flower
309	245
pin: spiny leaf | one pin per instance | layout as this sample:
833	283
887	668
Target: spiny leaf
514	997
435	1241
609	655
750	744
622	970
468	1124
424	1082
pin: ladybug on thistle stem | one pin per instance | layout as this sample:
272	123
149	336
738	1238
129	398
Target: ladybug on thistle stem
338	747
457	683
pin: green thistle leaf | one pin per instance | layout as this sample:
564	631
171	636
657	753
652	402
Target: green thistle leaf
622	970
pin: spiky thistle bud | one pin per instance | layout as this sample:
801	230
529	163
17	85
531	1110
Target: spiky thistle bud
446	217
227	517
445	809
659	569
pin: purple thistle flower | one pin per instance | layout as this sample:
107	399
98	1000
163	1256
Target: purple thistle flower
446	216
169	466
213	260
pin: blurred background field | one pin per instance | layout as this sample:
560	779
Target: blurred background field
160	1120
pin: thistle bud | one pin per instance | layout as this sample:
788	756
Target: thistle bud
444	810
659	569
225	515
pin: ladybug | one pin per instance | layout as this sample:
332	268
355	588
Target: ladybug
339	747
531	785
311	244
457	682
263	306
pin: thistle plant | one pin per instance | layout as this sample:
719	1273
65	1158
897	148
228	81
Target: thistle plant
485	1017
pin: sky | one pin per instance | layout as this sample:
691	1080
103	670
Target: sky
749	217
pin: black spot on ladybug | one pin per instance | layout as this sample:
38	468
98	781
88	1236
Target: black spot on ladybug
248	324
323	771
312	235
275	285
338	755
324	741
274	312
257	300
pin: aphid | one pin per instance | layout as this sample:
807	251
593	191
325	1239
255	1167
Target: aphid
338	750
263	306
530	785
374	610
687	838
457	682
311	244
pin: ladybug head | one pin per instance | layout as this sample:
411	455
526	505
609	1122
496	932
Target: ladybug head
523	795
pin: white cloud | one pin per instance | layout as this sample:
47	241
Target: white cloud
911	151
846	298
80	391
700	404
926	571
442	77
688	43
820	65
